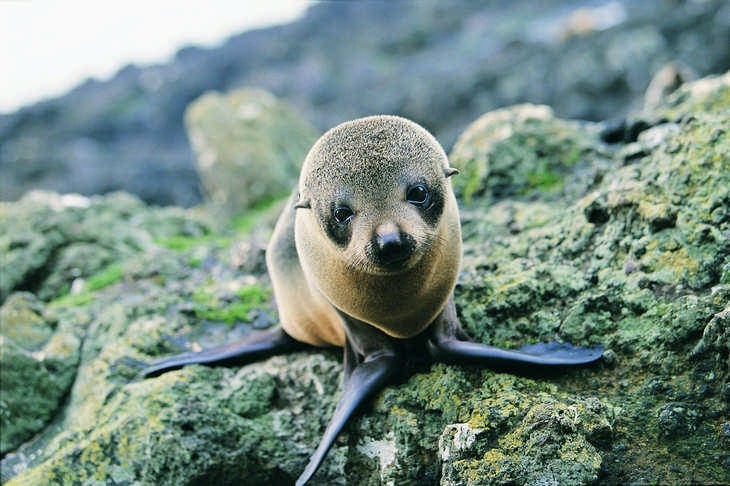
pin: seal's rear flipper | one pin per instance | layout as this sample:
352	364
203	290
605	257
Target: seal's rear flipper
258	345
366	379
546	354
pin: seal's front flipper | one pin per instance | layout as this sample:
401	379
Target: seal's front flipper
563	353
258	345
546	354
448	342
366	379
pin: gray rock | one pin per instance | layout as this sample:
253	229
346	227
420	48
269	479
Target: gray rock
249	147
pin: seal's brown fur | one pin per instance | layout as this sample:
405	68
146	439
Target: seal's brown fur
368	165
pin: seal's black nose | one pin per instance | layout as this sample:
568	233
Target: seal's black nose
392	248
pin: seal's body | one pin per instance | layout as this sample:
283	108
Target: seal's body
304	313
365	256
392	261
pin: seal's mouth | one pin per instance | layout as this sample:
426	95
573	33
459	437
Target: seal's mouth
395	265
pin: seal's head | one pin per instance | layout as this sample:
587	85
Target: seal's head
377	220
376	187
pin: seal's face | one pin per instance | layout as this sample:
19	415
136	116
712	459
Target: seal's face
382	232
376	188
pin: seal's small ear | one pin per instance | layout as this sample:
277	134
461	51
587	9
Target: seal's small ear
303	204
449	171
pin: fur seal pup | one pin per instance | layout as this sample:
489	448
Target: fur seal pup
365	256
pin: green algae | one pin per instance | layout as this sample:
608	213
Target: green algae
230	230
521	151
108	276
633	253
250	297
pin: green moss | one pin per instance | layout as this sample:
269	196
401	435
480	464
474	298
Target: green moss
250	297
203	296
181	242
108	276
547	180
258	212
233	229
521	150
255	295
73	300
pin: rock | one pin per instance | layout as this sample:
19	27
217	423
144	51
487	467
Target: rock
665	82
523	149
442	67
548	446
639	260
48	241
634	255
249	147
38	359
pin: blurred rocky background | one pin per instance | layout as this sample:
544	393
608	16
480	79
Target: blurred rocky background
439	63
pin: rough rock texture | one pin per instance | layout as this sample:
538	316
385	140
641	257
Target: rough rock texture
49	241
248	145
38	358
628	245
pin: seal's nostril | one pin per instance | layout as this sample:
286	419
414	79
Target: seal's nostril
388	241
392	247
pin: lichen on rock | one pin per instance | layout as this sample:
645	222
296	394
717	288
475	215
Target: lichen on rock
624	243
525	151
39	353
249	146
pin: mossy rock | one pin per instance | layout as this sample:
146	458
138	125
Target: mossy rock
38	359
524	150
635	256
249	147
49	241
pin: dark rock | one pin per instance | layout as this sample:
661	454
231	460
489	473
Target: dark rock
442	66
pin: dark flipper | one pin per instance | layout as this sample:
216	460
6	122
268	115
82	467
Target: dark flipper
546	354
371	362
256	346
366	379
449	342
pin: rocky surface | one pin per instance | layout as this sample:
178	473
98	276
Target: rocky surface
624	243
248	145
441	65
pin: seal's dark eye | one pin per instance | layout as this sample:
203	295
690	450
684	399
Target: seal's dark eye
418	194
342	214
